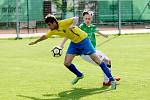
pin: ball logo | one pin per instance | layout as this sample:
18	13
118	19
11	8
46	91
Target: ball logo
56	51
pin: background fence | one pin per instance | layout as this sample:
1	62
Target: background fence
29	14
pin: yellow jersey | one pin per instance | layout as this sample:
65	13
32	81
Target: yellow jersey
75	35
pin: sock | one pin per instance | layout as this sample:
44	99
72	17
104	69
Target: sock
106	79
73	69
106	71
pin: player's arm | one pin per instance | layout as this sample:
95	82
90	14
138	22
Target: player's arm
75	22
44	37
63	42
104	35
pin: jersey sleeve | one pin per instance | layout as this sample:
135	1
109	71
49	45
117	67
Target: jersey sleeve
48	34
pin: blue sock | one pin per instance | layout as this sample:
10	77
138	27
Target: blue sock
106	71
73	69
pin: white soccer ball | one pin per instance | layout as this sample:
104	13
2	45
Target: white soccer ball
56	51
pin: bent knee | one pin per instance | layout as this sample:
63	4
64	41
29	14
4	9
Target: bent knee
67	64
107	61
97	62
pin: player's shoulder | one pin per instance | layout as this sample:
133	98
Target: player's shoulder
82	25
49	31
65	21
92	25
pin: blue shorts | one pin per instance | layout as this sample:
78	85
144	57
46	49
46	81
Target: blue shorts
84	47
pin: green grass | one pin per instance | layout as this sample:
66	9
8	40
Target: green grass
31	73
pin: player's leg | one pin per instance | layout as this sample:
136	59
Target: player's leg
103	65
105	69
108	63
72	68
87	58
102	58
71	53
89	50
106	79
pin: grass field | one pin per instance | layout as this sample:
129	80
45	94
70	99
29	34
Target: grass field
31	73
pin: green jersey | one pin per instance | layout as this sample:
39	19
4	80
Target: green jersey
90	30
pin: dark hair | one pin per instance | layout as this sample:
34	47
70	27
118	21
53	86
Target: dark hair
84	13
87	12
50	19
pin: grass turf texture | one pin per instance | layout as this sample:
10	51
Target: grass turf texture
31	73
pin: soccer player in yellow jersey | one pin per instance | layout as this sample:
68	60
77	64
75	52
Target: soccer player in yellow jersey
90	29
80	44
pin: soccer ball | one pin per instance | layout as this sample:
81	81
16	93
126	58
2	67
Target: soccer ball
56	51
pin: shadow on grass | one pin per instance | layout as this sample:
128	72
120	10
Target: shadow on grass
74	94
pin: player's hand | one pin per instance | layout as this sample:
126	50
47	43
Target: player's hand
61	46
105	35
32	43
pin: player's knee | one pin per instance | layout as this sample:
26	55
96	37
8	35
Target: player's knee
67	64
97	62
109	62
